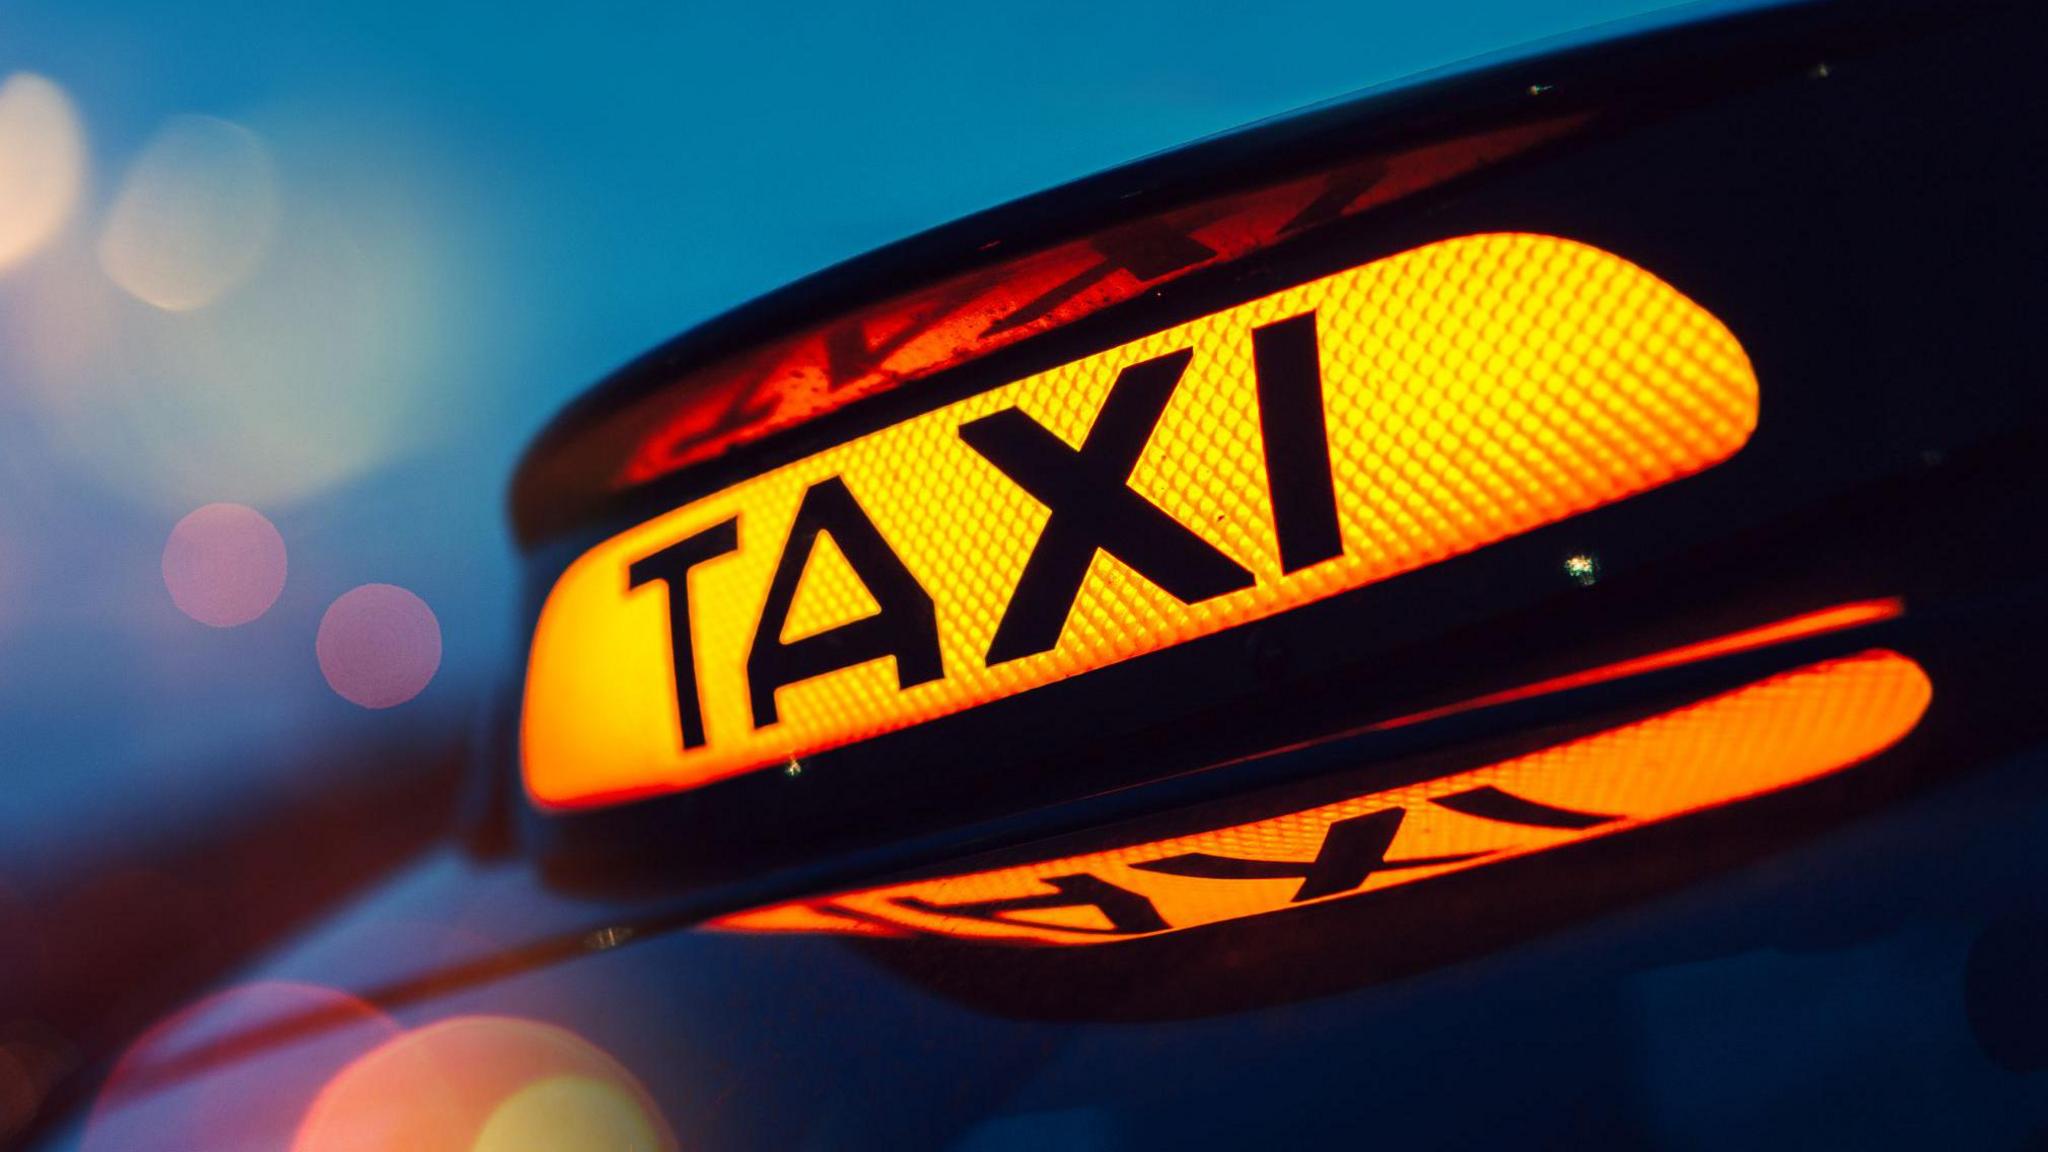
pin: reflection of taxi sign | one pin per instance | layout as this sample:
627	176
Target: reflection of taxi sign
1266	456
1769	735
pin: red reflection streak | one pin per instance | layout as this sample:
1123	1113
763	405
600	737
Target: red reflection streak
705	412
977	313
254	1103
1826	620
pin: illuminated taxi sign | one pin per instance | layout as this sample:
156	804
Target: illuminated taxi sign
1257	459
1760	738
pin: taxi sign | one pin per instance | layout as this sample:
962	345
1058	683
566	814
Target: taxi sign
1765	736
1219	472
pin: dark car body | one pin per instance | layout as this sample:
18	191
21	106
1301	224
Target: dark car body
1855	190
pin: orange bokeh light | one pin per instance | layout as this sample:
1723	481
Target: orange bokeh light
483	1084
1470	390
1769	735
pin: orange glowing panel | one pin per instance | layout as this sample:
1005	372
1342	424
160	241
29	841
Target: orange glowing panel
1222	471
1773	734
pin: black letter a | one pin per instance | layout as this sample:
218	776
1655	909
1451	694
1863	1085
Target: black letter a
906	627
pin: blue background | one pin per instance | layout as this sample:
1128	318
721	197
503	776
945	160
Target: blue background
551	189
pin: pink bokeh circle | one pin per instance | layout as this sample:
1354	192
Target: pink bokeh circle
379	645
224	565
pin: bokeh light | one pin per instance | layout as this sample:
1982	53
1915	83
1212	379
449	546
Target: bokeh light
194	216
42	165
485	1084
321	352
224	565
569	1114
379	645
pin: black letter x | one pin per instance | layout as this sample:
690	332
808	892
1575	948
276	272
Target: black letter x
1093	507
1352	850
